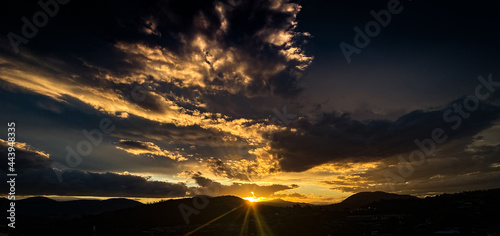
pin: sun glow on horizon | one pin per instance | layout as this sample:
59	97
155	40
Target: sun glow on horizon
253	198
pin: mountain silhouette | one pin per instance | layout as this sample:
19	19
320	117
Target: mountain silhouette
48	208
364	198
282	203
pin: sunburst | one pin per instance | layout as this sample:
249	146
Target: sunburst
253	198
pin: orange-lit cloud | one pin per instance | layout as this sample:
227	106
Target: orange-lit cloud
148	148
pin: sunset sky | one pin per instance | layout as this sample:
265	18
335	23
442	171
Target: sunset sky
170	99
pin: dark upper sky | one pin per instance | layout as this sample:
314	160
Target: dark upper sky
252	92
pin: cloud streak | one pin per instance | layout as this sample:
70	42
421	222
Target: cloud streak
141	148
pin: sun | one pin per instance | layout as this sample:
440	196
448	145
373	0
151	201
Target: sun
253	198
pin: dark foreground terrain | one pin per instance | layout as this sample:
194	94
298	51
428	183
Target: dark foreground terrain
374	213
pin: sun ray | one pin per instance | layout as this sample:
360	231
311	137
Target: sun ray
262	227
212	221
244	227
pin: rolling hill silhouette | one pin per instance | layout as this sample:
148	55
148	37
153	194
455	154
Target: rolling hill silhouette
364	198
48	208
282	203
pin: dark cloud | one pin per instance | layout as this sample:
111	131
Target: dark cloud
209	187
134	144
80	183
25	156
256	41
202	181
336	137
221	169
36	176
459	165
